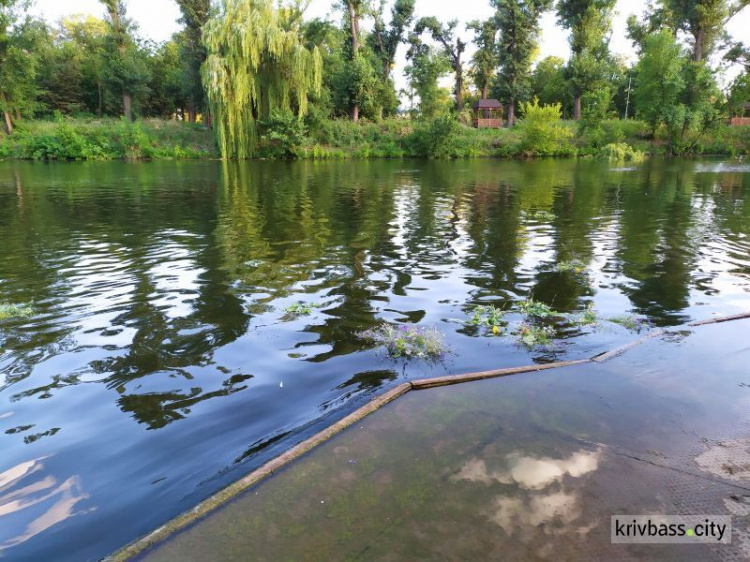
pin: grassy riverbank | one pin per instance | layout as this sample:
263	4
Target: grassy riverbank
112	139
108	139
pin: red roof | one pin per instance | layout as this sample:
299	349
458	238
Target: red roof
488	104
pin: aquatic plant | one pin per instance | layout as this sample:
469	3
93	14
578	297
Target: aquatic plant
407	341
300	309
632	323
532	335
570	266
488	317
14	311
542	215
588	317
534	309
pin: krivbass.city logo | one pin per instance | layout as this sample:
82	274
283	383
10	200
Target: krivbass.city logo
671	529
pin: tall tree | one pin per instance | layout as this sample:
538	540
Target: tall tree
385	40
589	22
257	63
703	21
355	9
19	60
518	22
125	70
484	60
452	46
195	14
548	83
426	66
659	79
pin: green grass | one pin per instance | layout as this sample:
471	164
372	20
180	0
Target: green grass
396	137
15	311
107	139
589	316
407	341
632	323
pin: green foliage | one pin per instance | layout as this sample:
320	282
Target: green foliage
8	311
408	341
570	266
549	84
257	62
484	60
659	79
542	215
632	323
589	316
426	67
536	310
621	152
79	139
518	23
285	134
439	138
488	318
533	335
541	131
300	309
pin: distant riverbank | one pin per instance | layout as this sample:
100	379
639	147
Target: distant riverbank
112	139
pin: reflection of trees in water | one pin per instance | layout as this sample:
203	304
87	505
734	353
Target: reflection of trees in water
132	228
656	250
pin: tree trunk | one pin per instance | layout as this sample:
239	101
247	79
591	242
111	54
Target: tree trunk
459	82
698	48
127	108
354	24
511	112
207	119
577	108
99	91
8	123
18	114
192	114
484	92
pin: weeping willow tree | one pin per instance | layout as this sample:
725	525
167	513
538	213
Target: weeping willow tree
257	63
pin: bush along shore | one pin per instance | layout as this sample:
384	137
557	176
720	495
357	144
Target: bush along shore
285	137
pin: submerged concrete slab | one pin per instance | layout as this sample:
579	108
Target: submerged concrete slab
522	468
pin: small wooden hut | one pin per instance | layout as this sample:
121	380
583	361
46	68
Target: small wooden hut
743	119
488	114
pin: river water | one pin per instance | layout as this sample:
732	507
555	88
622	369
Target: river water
159	363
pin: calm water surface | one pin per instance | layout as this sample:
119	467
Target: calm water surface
160	365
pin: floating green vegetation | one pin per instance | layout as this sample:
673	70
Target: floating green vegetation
532	335
489	318
570	266
408	341
14	311
542	215
534	309
589	316
632	323
300	309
